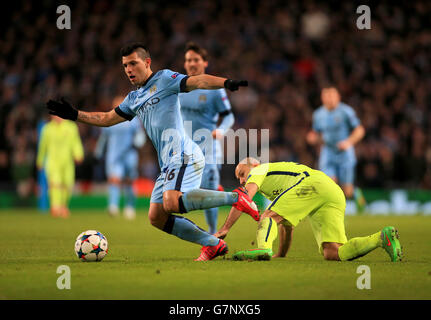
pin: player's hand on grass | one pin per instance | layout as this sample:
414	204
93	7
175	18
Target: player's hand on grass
234	85
221	234
62	109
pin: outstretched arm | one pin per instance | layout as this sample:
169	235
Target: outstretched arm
233	216
206	81
100	119
63	109
285	233
234	213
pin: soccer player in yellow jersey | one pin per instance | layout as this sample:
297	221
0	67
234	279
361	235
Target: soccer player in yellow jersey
60	147
297	192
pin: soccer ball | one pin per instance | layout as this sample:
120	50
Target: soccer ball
91	245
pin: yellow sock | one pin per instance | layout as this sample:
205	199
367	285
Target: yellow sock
55	196
358	247
267	232
66	193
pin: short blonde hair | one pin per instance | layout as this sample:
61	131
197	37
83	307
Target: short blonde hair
249	161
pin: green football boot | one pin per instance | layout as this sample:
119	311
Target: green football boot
391	243
253	254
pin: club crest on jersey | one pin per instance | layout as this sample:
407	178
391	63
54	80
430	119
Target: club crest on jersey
174	75
277	192
153	89
202	98
306	191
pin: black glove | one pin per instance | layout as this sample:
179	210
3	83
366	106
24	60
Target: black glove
234	85
62	109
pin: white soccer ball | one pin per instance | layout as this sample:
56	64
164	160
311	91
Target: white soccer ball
91	245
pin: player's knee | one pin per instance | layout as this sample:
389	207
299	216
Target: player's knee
157	220
329	255
171	202
169	207
330	252
153	218
158	223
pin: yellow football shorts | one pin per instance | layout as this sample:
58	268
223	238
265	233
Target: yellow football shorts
62	174
319	198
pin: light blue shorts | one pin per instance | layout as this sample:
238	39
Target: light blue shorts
126	168
178	176
341	165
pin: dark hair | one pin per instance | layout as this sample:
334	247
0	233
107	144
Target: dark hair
198	49
137	47
329	85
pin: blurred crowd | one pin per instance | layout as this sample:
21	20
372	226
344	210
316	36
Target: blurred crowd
286	49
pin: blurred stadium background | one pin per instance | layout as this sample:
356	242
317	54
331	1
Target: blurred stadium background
286	49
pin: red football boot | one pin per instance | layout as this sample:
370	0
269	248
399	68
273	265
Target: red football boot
245	204
211	252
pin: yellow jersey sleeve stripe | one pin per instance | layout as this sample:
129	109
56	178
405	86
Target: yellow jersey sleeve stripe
287	173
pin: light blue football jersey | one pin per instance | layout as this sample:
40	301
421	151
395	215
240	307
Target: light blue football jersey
202	108
119	140
157	105
335	125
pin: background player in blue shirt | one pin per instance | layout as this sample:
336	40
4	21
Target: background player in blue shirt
121	161
336	125
204	108
156	103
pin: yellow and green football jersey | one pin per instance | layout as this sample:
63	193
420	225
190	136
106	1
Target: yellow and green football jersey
274	178
298	192
60	144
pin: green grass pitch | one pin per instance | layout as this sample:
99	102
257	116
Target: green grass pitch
145	263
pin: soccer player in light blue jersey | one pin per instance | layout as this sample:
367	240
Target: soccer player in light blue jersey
121	161
337	127
177	189
204	108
